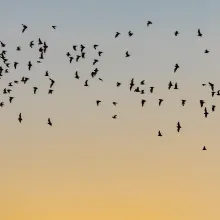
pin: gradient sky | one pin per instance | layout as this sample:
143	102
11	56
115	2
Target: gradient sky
89	166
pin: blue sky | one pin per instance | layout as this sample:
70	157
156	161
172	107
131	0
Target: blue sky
97	13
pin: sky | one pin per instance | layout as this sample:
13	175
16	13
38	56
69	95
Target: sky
87	165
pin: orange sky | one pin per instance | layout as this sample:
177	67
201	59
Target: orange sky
87	165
